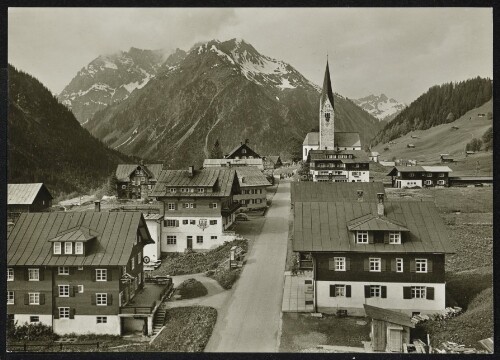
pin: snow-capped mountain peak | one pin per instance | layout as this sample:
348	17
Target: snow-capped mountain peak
380	106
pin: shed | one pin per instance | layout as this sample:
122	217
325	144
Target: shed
374	156
27	198
446	158
410	146
389	329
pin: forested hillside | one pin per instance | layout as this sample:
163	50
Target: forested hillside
47	144
439	105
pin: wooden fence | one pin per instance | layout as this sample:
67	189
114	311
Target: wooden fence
24	347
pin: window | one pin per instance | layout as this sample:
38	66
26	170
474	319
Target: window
375	264
189	205
80	267
418	292
68	247
34	319
139	257
80	289
375	291
185	222
57	248
79	248
101	275
214	205
132	263
101	299
429	174
171	239
362	237
33	274
339	290
201	190
213	222
10	274
170	223
399	265
440	182
124	186
34	298
199	239
172	190
394	237
339	263
171	206
63	290
101	319
421	265
213	237
441	174
10	297
64	313
62	270
192	222
428	182
411	174
327	116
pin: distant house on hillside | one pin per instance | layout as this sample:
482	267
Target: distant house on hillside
27	198
470	180
469	152
374	156
411	146
242	151
421	176
272	162
387	163
447	158
135	181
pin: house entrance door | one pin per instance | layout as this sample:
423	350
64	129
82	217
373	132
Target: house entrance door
189	242
395	340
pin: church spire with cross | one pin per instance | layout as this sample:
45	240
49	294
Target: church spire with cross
326	114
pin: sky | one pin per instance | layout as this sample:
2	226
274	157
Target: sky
396	51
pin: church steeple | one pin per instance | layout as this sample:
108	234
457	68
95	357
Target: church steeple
327	87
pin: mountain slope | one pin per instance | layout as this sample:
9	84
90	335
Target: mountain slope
439	105
380	106
47	144
226	91
111	78
441	139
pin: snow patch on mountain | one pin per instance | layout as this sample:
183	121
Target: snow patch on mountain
380	106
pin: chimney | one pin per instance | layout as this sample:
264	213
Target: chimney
380	205
360	195
97	206
191	171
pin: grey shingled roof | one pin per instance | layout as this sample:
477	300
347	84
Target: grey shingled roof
341	139
322	226
391	316
330	191
252	177
123	171
201	178
24	194
29	241
372	222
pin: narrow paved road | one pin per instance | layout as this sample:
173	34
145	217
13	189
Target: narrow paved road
251	319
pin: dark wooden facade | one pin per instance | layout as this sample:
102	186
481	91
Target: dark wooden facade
242	151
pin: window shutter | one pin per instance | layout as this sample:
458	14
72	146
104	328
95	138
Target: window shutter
41	271
386	237
92	299
42	299
72	313
110	299
393	264
366	264
347	264
406	292
194	206
210	205
332	290
370	237
72	290
348	291
93	273
383	265
331	264
430	293
367	291
429	265
26	299
109	274
71	270
184	205
177	223
56	314
383	292
27	274
412	265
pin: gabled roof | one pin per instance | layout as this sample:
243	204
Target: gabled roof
419	168
330	191
358	155
323	226
251	176
341	139
29	241
123	171
374	153
437	168
273	158
327	91
79	233
391	316
152	216
372	222
202	178
24	194
231	153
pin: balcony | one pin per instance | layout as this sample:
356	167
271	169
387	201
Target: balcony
228	210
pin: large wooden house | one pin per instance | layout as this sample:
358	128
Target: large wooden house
136	181
27	198
242	151
385	254
253	184
419	176
77	272
198	207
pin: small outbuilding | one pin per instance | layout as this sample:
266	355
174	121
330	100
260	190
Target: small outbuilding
445	158
389	329
411	146
374	156
27	198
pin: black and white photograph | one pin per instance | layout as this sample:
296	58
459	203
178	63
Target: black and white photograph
249	180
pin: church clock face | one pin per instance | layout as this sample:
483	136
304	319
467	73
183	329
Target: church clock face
327	117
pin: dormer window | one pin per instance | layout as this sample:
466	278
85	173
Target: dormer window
362	237
68	247
201	190
57	248
79	248
394	237
172	190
